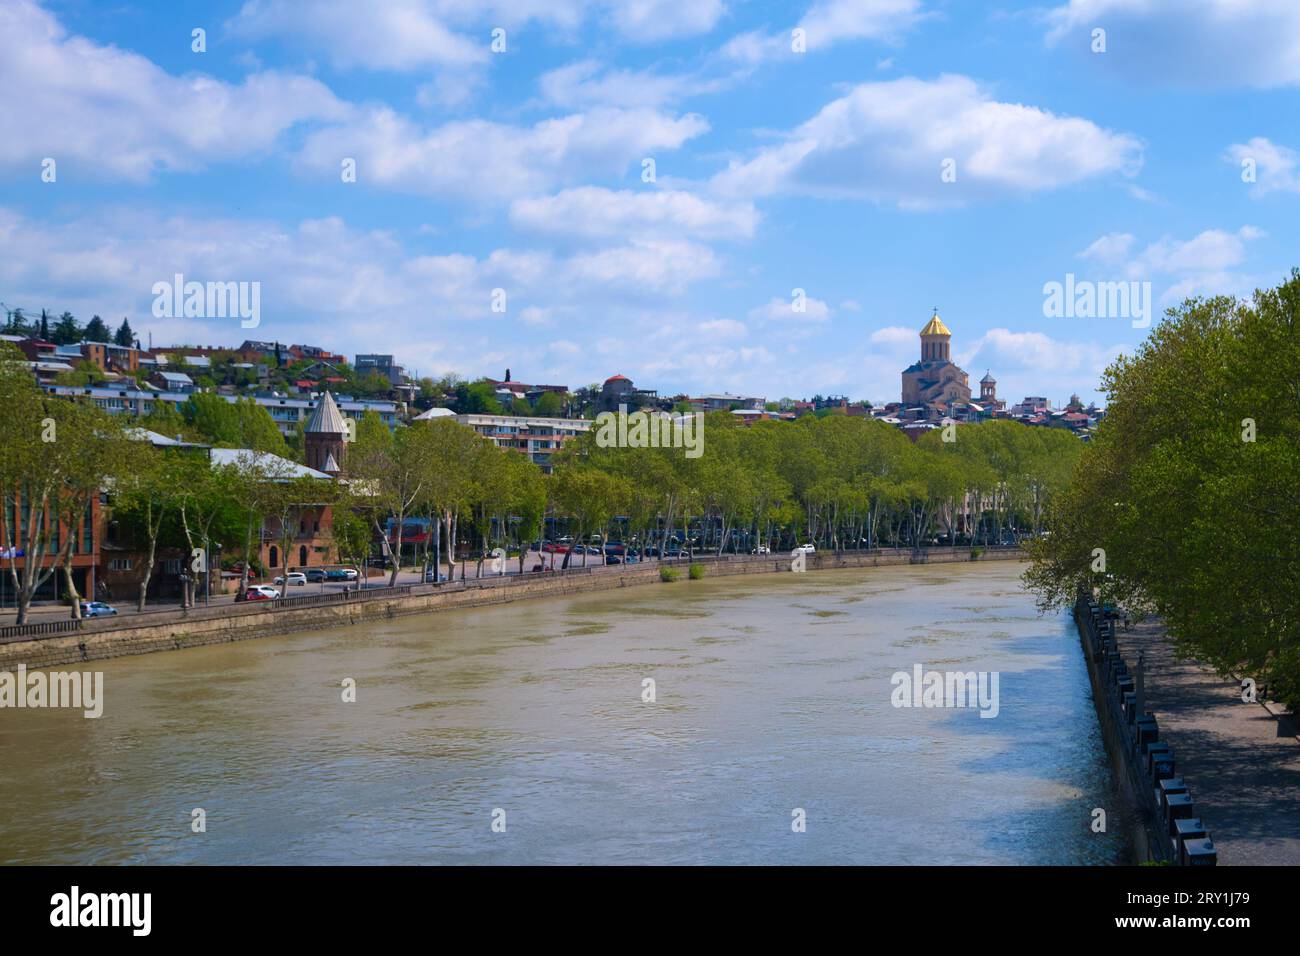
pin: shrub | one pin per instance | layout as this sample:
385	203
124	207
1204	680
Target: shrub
669	574
975	553
696	572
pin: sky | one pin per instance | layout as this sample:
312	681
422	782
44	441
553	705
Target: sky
577	188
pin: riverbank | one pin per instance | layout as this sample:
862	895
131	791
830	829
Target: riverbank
199	627
1235	765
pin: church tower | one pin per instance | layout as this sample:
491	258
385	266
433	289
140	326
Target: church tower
935	339
323	437
988	389
934	383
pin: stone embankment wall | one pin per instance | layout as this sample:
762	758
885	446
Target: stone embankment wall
146	633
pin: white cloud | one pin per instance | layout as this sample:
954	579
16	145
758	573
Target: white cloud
455	35
1020	361
588	83
1109	248
1206	264
1200	43
653	20
888	142
112	112
481	161
402	35
324	282
650	265
1275	166
834	21
777	309
826	23
593	212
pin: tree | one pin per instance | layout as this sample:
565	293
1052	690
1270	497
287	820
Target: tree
149	491
394	467
96	331
549	405
44	332
1183	503
55	456
124	336
239	424
66	331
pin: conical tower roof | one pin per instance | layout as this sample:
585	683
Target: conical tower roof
935	326
988	379
326	418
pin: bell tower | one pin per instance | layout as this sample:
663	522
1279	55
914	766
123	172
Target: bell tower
988	388
324	437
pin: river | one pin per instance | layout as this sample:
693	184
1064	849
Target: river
772	700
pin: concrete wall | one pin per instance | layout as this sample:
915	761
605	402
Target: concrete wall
142	635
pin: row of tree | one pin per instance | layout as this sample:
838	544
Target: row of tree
1184	503
838	482
66	330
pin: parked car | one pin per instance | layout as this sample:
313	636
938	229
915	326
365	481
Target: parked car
341	574
294	579
761	549
96	609
613	559
429	577
314	575
807	548
261	592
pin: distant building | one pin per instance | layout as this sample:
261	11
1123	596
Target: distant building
172	381
382	365
725	402
538	438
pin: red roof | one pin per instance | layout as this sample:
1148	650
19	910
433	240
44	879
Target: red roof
617	378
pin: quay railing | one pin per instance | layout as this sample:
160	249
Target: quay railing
1163	793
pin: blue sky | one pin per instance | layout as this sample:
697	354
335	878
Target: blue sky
774	170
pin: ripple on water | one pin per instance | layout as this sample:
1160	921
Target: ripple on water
458	713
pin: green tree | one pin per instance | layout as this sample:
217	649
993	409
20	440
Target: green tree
549	405
66	331
96	331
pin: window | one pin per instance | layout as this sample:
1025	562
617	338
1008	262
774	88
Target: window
121	564
172	566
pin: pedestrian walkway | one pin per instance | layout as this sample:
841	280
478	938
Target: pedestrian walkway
1241	764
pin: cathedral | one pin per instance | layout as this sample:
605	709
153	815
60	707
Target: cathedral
935	382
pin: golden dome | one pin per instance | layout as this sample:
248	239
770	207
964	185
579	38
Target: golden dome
935	326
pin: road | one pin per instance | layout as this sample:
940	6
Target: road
125	603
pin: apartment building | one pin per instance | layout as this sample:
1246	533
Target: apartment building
287	411
538	438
